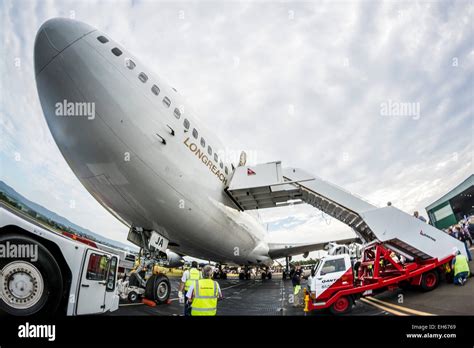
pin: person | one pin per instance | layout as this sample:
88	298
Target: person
189	276
296	282
418	216
461	268
463	236
203	294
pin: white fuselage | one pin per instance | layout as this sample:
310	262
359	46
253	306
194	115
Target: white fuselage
175	188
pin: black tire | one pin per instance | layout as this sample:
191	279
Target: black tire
46	302
342	305
429	281
133	297
158	288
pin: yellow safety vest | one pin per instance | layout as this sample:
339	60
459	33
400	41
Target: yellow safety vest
205	297
194	274
460	264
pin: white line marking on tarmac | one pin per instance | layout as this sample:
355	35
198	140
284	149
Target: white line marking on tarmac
130	304
397	307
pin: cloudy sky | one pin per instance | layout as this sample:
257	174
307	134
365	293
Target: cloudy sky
307	83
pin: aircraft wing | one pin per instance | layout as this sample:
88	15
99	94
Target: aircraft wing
279	250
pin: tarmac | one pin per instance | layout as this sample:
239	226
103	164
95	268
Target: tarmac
272	297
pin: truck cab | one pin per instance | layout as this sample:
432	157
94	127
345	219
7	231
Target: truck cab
329	275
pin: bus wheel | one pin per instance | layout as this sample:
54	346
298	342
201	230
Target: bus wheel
342	305
429	280
29	285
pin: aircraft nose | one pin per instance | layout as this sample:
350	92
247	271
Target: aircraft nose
54	36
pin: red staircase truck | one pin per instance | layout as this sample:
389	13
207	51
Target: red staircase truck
336	282
399	249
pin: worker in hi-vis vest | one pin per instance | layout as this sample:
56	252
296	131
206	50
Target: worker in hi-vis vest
188	278
203	294
460	266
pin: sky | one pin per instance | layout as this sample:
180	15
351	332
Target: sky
374	96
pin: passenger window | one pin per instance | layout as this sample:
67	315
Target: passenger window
97	267
130	64
226	171
221	165
332	266
216	158
116	51
195	133
203	142
209	150
155	90
102	39
143	78
167	102
186	123
177	113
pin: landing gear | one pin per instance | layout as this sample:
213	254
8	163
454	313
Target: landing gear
266	274
144	281
244	274
286	271
219	273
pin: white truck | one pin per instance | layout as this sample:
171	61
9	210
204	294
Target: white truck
45	272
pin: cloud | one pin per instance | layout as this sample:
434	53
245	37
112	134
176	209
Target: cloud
297	82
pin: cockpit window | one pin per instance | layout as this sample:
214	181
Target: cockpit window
155	89
143	78
102	39
186	123
195	133
167	102
177	113
116	51
130	64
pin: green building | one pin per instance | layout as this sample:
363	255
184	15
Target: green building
454	205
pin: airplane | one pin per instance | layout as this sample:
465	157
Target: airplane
137	147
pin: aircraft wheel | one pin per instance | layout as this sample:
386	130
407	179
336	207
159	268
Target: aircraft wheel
158	288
